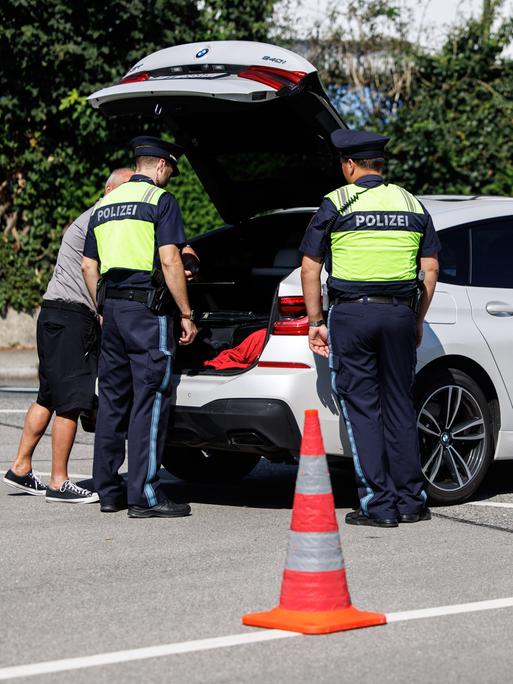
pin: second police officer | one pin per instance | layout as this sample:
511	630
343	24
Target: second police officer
135	234
376	239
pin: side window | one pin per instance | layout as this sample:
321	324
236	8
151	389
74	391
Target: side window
454	256
492	254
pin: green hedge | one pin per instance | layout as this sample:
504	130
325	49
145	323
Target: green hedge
453	134
56	151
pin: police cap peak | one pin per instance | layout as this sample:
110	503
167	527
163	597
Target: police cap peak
359	144
148	146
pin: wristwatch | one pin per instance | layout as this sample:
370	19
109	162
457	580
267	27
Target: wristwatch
189	316
316	324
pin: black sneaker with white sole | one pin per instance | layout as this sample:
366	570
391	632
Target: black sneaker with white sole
69	492
29	483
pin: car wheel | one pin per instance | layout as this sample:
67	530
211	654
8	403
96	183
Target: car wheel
455	435
199	465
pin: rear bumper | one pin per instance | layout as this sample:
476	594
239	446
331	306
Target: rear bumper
260	426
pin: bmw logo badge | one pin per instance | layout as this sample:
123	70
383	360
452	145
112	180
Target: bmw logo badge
202	53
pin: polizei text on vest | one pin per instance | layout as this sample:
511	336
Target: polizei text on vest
382	220
115	211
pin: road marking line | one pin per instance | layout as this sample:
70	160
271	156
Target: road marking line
13	410
449	610
223	642
142	653
495	504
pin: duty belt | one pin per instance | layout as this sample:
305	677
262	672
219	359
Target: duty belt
409	301
136	295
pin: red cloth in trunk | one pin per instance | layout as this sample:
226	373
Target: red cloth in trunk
242	356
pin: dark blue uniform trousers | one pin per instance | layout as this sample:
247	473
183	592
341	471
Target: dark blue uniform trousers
134	374
373	358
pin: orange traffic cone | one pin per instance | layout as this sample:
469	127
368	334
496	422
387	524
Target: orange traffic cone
314	595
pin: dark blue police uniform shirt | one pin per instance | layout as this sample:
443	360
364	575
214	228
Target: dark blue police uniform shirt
314	240
169	230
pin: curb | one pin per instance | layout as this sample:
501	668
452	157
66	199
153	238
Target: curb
19	373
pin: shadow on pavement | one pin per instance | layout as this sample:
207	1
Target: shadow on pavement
272	486
268	486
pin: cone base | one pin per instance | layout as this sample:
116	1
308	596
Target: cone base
320	622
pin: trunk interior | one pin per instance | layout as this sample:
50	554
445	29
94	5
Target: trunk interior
241	268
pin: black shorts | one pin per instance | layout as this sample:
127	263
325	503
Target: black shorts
67	346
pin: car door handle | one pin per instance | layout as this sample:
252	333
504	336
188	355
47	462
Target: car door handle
501	309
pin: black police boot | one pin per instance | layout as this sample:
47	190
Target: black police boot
425	514
120	503
359	518
164	509
113	507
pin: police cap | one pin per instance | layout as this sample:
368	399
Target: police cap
147	146
359	144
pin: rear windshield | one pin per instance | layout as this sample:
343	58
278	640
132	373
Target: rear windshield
248	167
266	156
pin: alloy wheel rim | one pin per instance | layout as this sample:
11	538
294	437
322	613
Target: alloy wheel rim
452	438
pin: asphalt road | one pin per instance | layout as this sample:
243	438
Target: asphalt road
77	583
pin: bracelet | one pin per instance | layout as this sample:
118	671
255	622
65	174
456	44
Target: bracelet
316	324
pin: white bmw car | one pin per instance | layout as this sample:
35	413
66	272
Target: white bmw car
256	124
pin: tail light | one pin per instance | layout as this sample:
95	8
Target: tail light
293	319
289	306
135	78
282	364
272	77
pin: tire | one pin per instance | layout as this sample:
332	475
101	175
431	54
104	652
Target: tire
199	465
455	435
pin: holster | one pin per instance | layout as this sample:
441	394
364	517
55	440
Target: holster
159	299
101	289
416	300
419	291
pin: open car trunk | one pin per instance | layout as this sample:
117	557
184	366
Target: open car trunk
241	268
255	123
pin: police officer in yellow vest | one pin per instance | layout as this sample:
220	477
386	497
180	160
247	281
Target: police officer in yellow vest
135	235
375	238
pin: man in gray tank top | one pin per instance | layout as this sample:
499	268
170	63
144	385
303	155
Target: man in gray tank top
67	283
67	330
